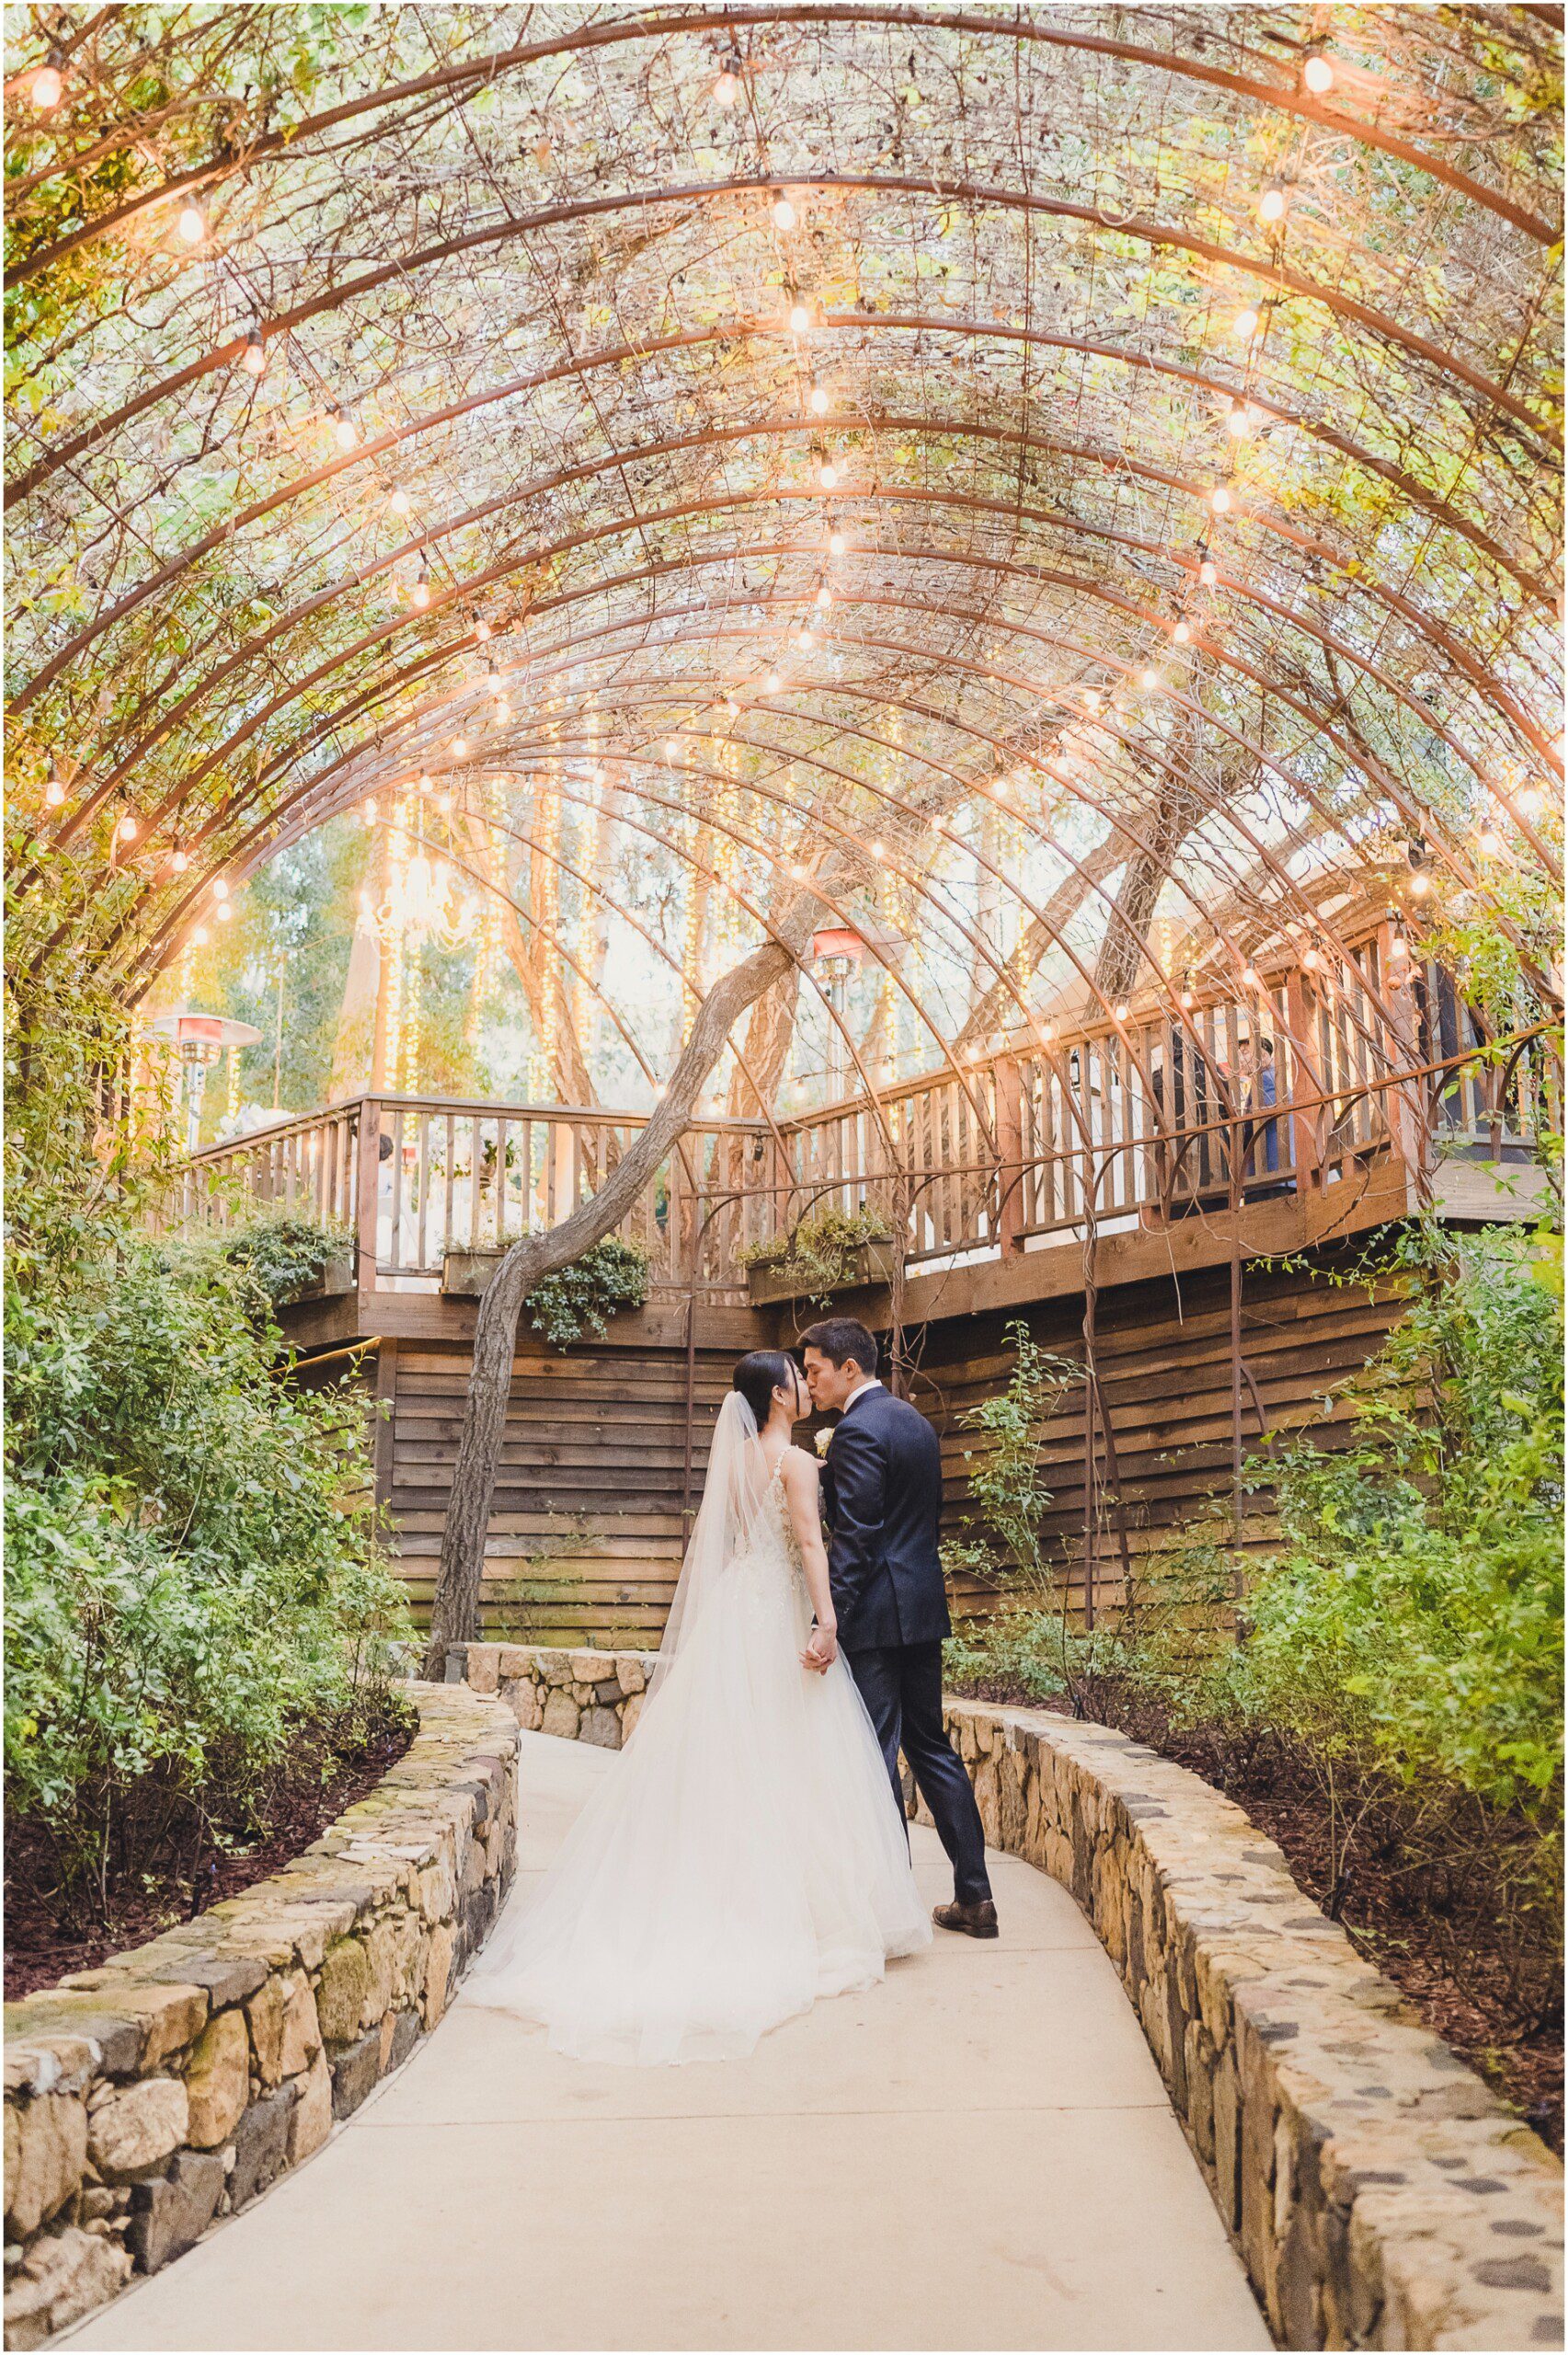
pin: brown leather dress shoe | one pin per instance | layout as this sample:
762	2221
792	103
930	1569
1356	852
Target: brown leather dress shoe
977	1921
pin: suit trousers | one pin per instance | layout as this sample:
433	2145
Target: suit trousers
901	1686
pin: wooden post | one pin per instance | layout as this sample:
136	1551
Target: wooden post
1010	1157
385	1398
1299	1009
367	1193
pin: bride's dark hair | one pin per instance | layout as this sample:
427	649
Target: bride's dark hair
759	1374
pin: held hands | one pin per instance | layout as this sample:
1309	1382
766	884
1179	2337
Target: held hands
823	1649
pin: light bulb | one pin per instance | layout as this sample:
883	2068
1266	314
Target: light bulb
1209	572
818	400
1249	977
1420	884
482	631
226	914
1399	946
400	501
1529	800
775	683
726	89
179	862
503	709
836	543
1239	424
799	318
827	474
824	597
1091	698
879	850
48	85
1121	1013
220	888
1271	203
672	749
426	780
55	791
200	936
126	830
1220	499
344	430
253	359
1489	842
1149	681
804	639
784	213
369	813
1318	74
1182	632
460	748
1186	1001
443	803
420	593
192	224
1247	325
731	706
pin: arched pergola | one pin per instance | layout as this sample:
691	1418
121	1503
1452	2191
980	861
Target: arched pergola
1072	499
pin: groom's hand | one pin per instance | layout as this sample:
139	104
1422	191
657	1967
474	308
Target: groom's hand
821	1652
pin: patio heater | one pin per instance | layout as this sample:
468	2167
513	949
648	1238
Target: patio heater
201	1039
837	954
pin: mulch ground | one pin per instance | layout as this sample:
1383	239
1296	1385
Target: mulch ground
320	1780
1412	1948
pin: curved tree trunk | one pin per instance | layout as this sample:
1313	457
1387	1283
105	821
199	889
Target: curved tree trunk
454	1614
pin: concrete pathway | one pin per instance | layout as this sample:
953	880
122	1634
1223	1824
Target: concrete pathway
978	2154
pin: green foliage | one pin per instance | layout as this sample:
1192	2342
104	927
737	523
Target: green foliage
581	1299
818	1253
193	1563
284	1255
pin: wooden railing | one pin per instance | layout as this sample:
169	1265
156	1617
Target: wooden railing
1157	1119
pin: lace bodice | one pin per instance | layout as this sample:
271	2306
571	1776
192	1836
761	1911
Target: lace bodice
773	1545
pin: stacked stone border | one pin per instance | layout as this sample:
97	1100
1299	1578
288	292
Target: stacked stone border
1379	2194
167	2088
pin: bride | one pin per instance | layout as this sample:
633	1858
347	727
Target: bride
743	1855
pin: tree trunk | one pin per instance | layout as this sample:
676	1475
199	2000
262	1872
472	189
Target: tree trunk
454	1614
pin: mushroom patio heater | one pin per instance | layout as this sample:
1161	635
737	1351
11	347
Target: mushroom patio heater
837	954
200	1039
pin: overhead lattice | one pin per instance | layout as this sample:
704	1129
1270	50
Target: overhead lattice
1171	572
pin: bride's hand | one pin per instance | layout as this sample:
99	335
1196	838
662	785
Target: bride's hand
823	1650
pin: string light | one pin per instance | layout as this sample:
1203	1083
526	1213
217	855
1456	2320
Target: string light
47	86
482	631
460	748
1149	681
1208	572
200	936
1272	201
1318	74
1220	499
1121	1013
400	501
784	213
837	543
345	431
799	318
1250	979
726	89
226	912
55	791
818	400
179	862
824	597
126	830
775	683
1182	632
192	224
1245	324
220	888
1529	800
827	474
1240	423
420	593
253	359
1489	842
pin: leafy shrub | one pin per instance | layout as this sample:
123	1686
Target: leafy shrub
612	1273
285	1254
820	1251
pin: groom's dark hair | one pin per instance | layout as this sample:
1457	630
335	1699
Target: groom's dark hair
840	1338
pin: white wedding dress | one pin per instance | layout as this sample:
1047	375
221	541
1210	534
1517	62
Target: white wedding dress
743	1855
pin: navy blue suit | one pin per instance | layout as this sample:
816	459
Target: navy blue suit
882	1494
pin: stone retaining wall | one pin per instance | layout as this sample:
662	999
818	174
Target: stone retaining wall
169	2087
1379	2194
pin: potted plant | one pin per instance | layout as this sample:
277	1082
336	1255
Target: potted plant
828	1251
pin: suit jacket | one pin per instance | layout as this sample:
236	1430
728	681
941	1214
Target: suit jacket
882	1494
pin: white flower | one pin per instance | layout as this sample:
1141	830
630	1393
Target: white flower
823	1441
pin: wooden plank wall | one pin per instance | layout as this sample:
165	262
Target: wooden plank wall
587	1533
1164	1352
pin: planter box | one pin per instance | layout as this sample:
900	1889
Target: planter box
466	1274
340	1274
774	1279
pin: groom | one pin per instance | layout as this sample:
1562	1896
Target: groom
882	1488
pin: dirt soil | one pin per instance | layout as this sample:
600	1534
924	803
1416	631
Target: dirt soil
319	1782
1411	1948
